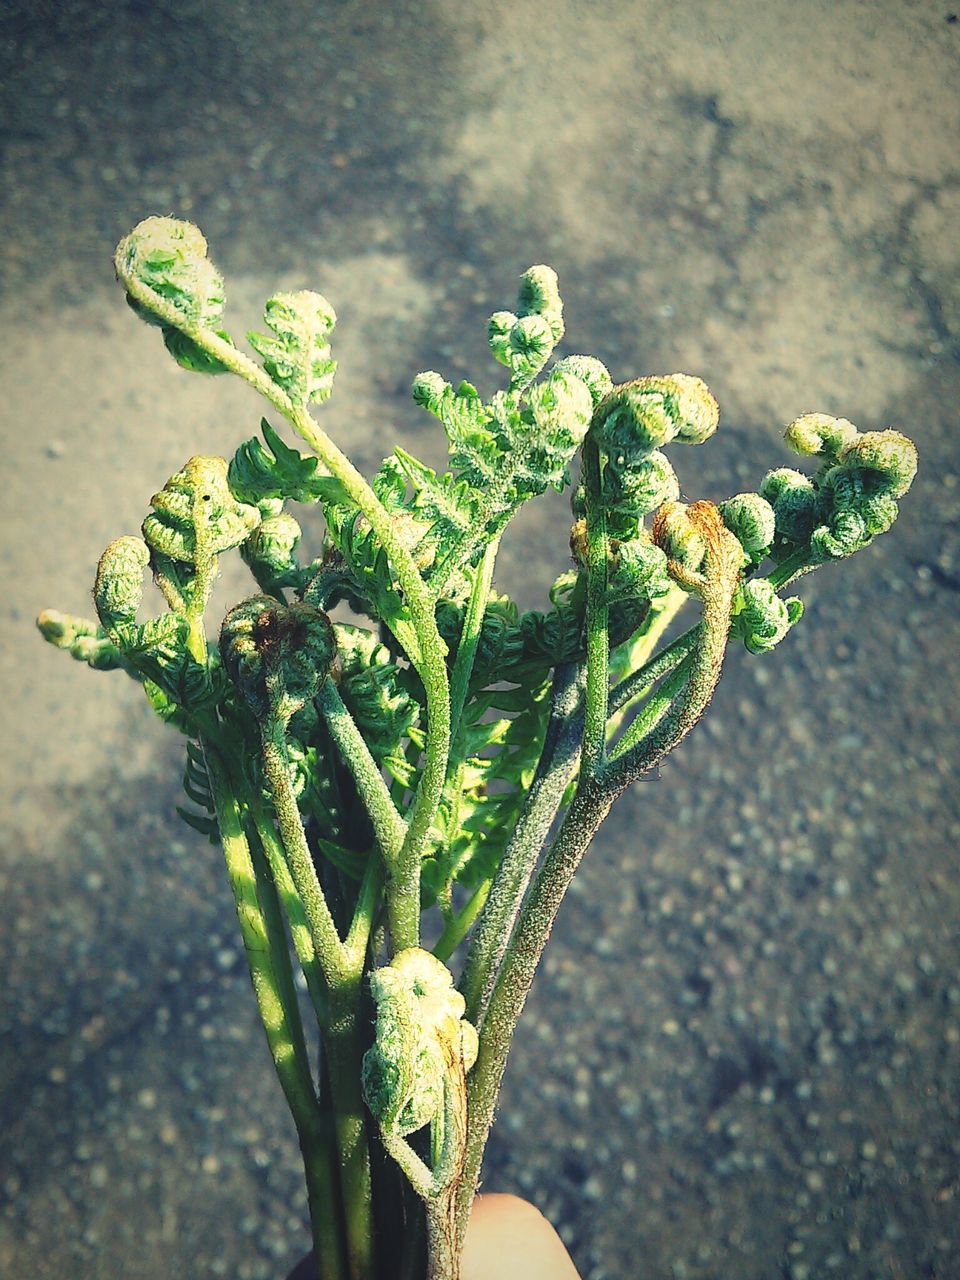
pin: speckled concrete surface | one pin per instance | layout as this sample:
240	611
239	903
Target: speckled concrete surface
741	1058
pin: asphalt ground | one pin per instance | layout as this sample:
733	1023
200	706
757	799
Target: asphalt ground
741	1057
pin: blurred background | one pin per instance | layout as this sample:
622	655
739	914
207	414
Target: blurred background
741	1057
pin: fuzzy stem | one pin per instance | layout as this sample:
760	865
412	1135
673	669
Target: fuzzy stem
791	568
341	1035
296	919
388	825
429	659
653	710
262	939
640	647
364	916
458	926
591	804
326	941
341	1040
554	769
598	638
470	635
705	663
633	685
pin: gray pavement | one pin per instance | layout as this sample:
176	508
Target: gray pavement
741	1059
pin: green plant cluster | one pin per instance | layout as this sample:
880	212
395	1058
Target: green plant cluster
431	762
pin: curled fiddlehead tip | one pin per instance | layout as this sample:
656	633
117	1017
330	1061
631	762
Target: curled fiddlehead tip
678	533
694	538
751	520
889	455
276	655
634	419
591	371
844	533
167	259
794	501
761	618
428	390
698	413
118	588
530	342
819	435
650	412
558	415
499	327
82	639
523	340
420	1032
633	487
272	544
195	515
61	629
638	570
539	295
297	356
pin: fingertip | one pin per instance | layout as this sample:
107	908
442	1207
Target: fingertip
510	1239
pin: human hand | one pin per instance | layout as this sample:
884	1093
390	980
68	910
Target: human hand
507	1239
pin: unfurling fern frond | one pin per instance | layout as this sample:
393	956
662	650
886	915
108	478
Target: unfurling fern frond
196	783
257	474
195	516
171	282
297	356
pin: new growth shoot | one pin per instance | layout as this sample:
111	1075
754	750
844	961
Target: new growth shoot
403	799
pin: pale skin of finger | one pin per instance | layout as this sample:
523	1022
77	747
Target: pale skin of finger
509	1239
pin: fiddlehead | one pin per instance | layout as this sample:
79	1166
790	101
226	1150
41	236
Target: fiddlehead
83	640
852	498
297	356
819	435
276	655
523	341
419	1021
752	521
761	619
118	589
195	516
171	282
270	551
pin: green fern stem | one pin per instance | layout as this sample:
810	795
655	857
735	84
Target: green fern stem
554	769
430	660
389	827
328	947
344	1053
591	804
342	974
598	636
460	924
654	709
634	685
276	1001
793	567
293	907
642	645
705	665
470	635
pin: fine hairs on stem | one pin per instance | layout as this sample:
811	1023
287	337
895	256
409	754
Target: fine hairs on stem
444	755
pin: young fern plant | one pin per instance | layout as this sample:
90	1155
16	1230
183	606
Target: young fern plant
444	756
